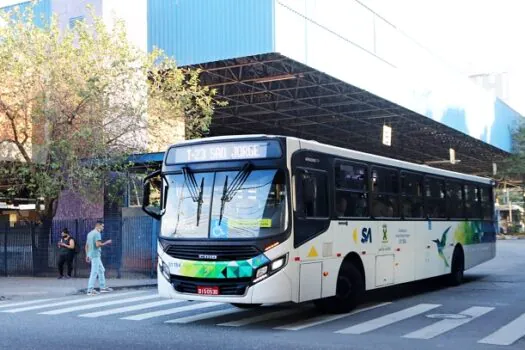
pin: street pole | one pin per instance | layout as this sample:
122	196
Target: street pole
509	225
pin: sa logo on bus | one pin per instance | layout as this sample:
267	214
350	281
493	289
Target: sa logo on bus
366	235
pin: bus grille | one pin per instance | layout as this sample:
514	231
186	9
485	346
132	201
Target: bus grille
225	287
207	252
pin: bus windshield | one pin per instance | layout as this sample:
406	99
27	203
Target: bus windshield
226	205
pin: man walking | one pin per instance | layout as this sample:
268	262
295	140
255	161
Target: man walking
66	247
93	248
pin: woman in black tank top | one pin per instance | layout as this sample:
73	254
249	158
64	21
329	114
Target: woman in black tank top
66	248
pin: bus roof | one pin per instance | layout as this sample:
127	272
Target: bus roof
345	152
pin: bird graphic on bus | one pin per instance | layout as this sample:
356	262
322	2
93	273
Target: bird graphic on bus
441	244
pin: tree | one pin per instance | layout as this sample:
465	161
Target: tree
75	103
512	168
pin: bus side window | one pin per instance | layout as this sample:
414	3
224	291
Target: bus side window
351	197
412	195
385	192
435	198
472	203
312	194
486	202
455	203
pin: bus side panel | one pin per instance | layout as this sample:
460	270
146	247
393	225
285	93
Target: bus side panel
476	254
356	236
321	252
437	240
403	239
432	257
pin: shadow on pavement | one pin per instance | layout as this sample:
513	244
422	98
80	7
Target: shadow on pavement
414	288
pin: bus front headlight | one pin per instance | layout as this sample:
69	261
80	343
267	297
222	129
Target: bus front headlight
261	272
277	264
271	268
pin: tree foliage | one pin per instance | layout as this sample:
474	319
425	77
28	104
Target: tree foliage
75	102
512	168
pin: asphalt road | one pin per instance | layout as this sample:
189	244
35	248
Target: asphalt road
488	308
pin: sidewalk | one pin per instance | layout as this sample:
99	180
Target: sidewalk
18	288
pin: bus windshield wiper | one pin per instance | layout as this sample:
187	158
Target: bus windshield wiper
195	192
228	192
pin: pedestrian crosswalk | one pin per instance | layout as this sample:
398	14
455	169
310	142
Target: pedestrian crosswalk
368	319
388	319
446	325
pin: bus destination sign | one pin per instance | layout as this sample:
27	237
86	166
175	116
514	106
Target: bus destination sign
220	151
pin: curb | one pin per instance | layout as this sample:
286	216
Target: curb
131	286
510	237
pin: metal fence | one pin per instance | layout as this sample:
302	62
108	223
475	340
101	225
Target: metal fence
26	249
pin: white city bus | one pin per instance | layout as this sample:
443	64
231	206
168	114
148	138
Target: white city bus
257	219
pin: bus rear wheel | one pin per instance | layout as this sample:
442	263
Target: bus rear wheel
246	306
458	266
349	292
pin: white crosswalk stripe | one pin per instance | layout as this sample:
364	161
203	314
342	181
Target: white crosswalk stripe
205	316
508	334
260	318
92	306
228	316
388	319
131	308
176	310
32	302
84	299
446	325
315	321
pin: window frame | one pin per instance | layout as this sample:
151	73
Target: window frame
298	195
443	201
337	189
403	194
373	194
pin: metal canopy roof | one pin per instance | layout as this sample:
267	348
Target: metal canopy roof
273	94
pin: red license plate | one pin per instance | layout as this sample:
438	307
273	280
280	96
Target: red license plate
208	290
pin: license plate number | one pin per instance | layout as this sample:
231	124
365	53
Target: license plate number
208	290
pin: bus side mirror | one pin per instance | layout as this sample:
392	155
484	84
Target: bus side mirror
151	201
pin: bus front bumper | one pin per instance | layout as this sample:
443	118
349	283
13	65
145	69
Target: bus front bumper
276	288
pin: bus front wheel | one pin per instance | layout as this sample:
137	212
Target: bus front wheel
349	291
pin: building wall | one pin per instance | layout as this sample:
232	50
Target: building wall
42	10
346	40
69	11
497	83
341	38
134	14
197	31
